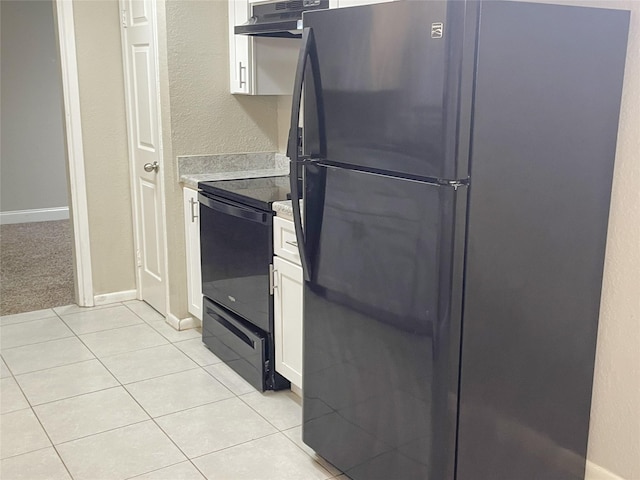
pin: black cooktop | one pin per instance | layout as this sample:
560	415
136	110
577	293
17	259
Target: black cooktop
256	192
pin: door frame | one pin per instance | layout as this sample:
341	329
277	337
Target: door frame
137	235
79	211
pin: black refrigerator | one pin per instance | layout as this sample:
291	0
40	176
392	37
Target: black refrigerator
457	160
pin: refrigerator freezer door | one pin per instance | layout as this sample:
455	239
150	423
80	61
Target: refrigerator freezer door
390	86
381	333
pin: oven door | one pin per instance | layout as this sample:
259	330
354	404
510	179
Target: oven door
236	251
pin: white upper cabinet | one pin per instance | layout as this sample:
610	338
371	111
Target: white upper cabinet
238	48
259	65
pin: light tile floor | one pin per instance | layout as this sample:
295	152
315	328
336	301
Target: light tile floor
113	392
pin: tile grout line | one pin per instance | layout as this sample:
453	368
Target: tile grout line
236	445
57	366
103	431
40	343
162	468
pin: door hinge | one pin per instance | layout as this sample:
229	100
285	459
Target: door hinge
138	258
272	279
124	18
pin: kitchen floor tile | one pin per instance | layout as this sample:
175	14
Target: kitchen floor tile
64	382
4	371
180	471
121	340
144	311
67	309
295	435
230	379
42	464
215	426
101	319
148	363
27	316
173	335
20	432
119	454
271	458
11	398
282	409
179	391
40	356
89	414
33	331
197	352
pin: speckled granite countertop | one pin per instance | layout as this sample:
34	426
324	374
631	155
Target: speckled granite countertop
283	209
201	168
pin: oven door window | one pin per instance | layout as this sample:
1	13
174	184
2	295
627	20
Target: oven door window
236	250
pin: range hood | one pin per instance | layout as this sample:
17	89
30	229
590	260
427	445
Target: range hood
279	19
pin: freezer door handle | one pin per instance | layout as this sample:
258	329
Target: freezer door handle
307	51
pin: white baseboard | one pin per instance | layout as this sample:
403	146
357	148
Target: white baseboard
115	297
596	472
182	324
34	215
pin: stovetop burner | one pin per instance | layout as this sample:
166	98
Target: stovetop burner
257	192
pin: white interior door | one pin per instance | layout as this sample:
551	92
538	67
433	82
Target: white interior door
145	151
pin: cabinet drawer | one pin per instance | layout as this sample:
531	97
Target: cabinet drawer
284	240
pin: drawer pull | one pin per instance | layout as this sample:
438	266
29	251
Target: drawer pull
293	244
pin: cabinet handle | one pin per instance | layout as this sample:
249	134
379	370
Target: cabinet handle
272	279
293	244
242	81
193	203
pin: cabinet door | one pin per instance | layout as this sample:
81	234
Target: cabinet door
192	242
239	49
288	319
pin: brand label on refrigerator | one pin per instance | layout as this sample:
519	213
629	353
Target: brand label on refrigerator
437	29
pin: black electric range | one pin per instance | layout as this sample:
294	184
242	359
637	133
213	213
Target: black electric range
236	251
256	192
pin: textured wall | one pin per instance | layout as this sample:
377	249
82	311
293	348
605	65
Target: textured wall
33	157
104	133
204	117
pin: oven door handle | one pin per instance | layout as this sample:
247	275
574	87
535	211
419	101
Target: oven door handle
236	211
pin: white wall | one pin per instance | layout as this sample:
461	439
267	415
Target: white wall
33	165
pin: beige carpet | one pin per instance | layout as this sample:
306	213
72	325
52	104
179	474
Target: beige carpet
36	266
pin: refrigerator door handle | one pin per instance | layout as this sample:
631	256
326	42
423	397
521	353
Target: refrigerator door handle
307	51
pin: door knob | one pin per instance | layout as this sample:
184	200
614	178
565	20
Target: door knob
151	167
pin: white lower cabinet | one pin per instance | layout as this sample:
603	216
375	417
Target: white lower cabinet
192	243
288	319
